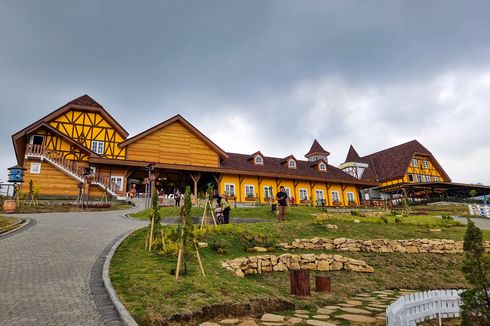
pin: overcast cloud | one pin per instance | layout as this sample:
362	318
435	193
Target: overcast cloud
261	75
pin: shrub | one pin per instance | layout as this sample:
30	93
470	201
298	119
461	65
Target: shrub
320	218
384	219
220	246
398	220
355	213
447	217
249	240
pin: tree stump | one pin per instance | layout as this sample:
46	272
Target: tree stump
322	283
300	282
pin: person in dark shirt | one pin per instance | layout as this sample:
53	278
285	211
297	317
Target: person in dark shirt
282	202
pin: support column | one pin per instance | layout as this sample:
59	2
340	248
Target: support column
195	178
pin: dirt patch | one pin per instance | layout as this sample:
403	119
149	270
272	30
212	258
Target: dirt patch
255	307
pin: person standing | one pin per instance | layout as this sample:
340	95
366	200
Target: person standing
282	202
177	197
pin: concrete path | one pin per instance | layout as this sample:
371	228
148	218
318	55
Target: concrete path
482	223
45	269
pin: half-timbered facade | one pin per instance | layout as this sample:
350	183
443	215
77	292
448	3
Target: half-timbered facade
56	149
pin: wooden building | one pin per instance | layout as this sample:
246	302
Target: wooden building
56	149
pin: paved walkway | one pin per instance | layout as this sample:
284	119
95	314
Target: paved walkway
481	222
45	269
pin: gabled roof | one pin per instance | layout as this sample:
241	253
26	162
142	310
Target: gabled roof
251	157
316	148
189	126
393	162
287	158
352	155
84	103
238	163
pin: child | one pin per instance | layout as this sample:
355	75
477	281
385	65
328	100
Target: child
219	214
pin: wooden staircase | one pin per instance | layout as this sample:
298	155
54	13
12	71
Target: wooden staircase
70	167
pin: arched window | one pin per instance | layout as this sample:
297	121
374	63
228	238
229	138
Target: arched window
292	163
259	160
322	167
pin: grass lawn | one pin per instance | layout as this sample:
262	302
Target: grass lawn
7	223
57	207
144	282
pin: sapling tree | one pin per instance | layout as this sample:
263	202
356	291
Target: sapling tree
476	268
154	229
187	239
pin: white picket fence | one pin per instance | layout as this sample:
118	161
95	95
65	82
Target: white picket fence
413	308
479	210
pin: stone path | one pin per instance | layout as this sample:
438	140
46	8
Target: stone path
45	269
481	222
362	309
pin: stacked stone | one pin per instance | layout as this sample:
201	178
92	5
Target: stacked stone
437	246
271	263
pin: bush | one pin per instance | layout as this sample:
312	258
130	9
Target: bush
355	213
220	246
384	219
398	220
320	218
249	240
447	217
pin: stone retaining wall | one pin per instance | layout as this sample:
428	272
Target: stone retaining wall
437	246
271	263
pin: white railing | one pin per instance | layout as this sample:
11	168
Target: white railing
479	210
70	167
413	308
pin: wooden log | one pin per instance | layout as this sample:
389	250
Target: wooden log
323	283
300	282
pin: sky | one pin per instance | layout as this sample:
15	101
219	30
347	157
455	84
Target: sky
261	75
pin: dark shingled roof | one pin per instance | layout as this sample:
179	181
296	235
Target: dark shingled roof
85	100
393	162
316	148
352	155
272	166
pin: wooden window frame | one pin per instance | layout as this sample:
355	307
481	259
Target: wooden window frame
95	146
299	192
35	171
333	197
426	164
415	163
260	160
228	185
353	197
118	177
247	194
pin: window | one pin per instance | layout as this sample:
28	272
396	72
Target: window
436	178
97	147
118	181
292	163
319	194
303	194
249	191
230	189
335	196
415	163
37	139
350	197
288	191
410	177
35	168
322	167
419	178
268	192
427	178
259	160
426	164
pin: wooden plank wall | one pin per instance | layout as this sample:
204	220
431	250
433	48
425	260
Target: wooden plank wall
173	144
51	181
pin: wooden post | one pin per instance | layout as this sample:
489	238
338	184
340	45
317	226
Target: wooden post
151	234
195	178
300	282
199	261
323	283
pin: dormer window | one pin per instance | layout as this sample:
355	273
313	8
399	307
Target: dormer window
259	160
292	164
322	167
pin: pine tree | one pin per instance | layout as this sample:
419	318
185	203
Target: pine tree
476	268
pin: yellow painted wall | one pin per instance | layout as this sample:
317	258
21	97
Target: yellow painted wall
58	144
84	127
421	170
51	181
173	144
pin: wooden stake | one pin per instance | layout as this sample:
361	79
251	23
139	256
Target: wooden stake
163	238
199	261
151	234
179	262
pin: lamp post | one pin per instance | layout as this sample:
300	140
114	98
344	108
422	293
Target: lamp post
87	179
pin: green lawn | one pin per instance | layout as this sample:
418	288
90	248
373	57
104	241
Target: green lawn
49	206
145	285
